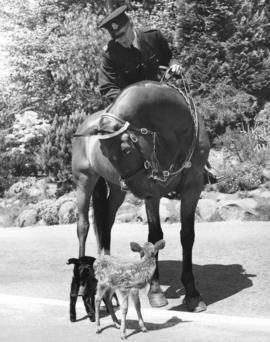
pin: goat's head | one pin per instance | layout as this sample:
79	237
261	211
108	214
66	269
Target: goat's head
148	250
83	267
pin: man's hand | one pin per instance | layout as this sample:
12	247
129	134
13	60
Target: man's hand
175	69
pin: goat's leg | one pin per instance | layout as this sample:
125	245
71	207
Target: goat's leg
88	307
155	295
72	308
74	289
137	304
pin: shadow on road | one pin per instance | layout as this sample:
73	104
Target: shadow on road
215	282
133	324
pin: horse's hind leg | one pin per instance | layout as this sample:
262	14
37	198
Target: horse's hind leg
85	187
189	200
155	295
105	208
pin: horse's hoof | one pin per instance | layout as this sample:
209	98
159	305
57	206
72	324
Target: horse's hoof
98	331
157	299
195	304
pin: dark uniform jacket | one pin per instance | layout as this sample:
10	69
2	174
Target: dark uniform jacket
122	66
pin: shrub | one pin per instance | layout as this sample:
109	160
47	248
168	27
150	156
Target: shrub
225	108
54	156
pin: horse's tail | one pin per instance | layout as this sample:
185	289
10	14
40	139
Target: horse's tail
100	205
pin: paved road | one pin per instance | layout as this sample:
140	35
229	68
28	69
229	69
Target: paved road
231	265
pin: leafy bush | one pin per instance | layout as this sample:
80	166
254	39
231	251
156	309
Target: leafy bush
218	39
55	154
225	107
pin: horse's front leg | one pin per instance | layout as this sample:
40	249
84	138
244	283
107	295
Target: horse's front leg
85	186
189	200
155	295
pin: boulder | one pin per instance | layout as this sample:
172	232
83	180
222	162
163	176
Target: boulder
67	212
27	218
266	173
206	208
5	220
240	209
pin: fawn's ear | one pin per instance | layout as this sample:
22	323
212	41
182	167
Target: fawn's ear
72	261
159	245
135	247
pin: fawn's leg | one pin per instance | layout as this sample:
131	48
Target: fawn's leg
137	304
108	302
99	295
123	297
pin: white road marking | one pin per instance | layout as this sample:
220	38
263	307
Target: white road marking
155	315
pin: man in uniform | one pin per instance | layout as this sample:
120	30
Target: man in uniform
134	55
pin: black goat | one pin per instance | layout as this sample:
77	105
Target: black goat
84	284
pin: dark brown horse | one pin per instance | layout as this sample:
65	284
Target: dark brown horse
152	142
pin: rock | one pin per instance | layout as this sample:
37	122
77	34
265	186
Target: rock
237	209
266	173
231	212
126	217
67	212
223	197
248	204
27	218
5	220
206	208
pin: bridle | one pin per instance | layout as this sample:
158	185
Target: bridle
151	163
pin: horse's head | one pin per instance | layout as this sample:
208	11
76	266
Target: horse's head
119	146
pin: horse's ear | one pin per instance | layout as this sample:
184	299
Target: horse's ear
135	247
72	261
159	245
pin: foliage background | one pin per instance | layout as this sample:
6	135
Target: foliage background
54	48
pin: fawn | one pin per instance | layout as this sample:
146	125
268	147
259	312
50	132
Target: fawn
125	277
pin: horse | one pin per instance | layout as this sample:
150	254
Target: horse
150	141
